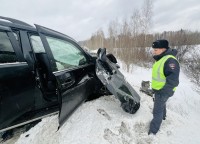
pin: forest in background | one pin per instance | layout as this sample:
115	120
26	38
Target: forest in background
130	40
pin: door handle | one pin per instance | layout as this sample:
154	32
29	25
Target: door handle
67	83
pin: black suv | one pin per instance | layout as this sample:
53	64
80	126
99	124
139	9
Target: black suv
44	72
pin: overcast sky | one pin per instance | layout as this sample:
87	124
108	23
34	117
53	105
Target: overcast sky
80	18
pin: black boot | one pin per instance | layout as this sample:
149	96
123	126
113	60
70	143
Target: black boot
151	133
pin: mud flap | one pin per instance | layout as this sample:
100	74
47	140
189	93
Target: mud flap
115	82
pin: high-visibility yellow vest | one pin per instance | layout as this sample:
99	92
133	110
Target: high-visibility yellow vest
158	77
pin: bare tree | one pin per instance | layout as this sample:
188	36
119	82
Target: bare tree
192	66
100	38
147	12
182	42
113	31
135	26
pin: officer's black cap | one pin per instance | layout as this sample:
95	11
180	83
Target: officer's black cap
160	44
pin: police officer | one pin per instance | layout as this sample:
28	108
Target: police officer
165	79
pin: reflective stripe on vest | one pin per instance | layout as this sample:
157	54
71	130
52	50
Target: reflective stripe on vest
158	77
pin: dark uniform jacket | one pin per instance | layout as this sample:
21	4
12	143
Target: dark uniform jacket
171	72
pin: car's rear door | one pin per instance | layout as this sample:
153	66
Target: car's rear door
72	68
16	80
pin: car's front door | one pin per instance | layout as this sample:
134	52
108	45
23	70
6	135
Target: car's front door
16	80
72	68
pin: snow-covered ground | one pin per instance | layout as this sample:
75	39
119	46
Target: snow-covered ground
102	121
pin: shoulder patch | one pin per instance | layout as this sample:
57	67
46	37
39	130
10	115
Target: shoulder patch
172	65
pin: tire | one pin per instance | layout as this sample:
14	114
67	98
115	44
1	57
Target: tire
130	106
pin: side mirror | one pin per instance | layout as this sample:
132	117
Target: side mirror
101	54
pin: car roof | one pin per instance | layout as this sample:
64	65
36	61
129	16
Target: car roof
14	23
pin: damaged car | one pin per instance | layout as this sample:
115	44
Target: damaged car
44	72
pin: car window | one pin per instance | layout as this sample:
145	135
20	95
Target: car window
7	54
66	54
37	44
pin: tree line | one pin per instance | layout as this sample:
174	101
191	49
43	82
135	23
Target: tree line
132	35
130	40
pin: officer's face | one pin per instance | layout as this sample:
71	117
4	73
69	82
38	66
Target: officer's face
158	51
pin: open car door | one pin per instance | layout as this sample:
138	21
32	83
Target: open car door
108	73
71	68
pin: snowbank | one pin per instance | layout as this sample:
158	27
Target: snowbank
102	121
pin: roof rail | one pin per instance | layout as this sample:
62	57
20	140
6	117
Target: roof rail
14	21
